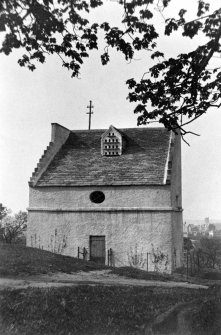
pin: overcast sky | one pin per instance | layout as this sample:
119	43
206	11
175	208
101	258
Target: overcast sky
30	102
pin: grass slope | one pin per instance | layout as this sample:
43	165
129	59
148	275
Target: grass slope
17	260
86	310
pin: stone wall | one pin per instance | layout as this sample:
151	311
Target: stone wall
176	202
177	228
115	196
128	233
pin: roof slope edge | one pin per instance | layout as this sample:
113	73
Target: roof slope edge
59	136
109	129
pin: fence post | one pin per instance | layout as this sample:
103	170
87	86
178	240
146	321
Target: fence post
191	264
194	261
84	253
111	255
108	257
175	258
147	260
187	264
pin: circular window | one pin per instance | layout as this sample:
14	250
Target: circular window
97	197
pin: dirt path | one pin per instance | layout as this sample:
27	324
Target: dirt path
175	321
103	277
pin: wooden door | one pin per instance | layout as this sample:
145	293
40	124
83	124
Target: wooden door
97	249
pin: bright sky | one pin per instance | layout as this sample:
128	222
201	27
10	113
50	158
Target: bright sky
30	102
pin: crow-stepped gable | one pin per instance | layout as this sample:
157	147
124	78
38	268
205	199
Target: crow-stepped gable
113	194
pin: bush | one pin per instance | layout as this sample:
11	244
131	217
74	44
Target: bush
13	226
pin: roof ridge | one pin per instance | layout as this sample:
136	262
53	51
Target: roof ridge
102	129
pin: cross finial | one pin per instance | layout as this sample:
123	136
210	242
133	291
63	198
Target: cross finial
90	113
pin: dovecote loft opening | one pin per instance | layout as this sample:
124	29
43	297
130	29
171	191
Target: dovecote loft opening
111	142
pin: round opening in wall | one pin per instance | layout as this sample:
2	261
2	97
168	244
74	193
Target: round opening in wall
97	197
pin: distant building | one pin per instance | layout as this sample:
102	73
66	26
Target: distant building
202	228
185	232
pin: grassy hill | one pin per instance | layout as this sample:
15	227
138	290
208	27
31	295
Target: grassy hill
99	310
18	260
93	310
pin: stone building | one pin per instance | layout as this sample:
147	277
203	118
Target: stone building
110	192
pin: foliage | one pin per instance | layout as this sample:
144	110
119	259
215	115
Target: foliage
206	256
211	227
175	91
187	244
136	258
13	226
57	242
3	211
159	259
210	248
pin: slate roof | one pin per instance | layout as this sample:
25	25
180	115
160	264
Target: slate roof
80	163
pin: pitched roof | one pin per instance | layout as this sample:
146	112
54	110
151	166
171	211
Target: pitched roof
79	161
111	128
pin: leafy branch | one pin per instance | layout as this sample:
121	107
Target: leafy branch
174	91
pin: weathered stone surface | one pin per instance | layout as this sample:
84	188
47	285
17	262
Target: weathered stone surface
126	233
115	196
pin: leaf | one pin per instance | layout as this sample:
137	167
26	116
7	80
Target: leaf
192	28
182	12
157	54
105	26
146	14
105	58
131	83
170	26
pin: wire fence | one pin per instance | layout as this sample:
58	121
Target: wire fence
196	261
147	261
